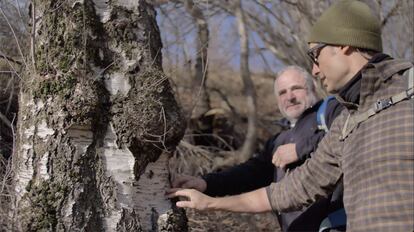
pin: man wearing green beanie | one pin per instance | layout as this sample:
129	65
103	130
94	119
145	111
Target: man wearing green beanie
370	145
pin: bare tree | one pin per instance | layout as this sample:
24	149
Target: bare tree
250	140
97	121
201	61
98	117
283	26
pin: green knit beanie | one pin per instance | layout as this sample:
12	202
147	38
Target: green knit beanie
348	22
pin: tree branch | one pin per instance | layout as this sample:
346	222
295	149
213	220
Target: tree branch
10	59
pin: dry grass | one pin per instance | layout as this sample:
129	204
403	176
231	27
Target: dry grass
229	222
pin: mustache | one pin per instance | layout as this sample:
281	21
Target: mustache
294	101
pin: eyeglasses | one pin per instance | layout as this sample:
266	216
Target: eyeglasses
313	53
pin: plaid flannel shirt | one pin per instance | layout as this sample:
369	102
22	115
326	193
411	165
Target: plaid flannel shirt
376	160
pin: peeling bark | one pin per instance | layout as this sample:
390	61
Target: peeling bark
97	122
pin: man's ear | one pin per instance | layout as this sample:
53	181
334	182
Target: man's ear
346	50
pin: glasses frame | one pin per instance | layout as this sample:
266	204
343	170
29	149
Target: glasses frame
314	52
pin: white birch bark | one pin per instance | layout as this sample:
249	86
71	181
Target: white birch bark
97	122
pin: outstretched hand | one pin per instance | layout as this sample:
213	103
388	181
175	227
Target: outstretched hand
193	198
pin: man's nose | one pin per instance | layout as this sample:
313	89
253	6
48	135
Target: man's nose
290	95
315	70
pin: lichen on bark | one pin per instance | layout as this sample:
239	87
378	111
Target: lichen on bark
148	119
46	198
66	110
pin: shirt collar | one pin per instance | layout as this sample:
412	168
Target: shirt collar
350	93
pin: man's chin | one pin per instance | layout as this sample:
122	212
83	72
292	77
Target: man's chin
294	115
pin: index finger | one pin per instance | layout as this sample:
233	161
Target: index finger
179	180
177	192
171	190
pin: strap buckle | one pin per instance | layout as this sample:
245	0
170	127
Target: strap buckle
382	104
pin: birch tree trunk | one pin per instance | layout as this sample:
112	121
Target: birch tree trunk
97	121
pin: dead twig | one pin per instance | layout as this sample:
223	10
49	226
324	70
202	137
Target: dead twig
6	121
8	58
14	35
33	36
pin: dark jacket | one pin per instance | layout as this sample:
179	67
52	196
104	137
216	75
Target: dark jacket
259	171
306	136
375	159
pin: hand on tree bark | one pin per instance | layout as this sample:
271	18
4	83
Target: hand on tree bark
193	198
190	182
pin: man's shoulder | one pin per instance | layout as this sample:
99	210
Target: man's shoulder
330	103
383	80
388	67
332	110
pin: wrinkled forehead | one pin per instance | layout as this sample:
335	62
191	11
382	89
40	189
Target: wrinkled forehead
288	79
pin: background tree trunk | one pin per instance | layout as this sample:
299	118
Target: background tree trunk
249	143
97	121
202	104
